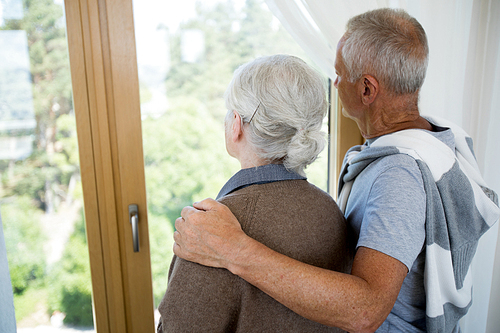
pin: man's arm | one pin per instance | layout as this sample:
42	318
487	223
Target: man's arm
359	302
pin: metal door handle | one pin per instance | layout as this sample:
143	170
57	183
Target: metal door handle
133	213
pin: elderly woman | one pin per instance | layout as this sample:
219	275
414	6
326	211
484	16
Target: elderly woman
273	127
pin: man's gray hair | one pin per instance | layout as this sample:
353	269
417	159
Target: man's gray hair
390	45
284	102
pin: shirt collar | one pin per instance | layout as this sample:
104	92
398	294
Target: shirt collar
444	134
259	175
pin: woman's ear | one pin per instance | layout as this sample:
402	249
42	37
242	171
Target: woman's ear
236	129
370	89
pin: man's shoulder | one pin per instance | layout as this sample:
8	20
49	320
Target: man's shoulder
392	164
396	174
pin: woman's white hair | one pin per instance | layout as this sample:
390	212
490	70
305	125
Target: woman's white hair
284	102
388	44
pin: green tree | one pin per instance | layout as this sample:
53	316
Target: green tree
39	184
23	241
70	280
161	240
45	176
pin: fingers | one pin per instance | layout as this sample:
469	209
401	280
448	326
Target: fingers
207	204
188	210
180	249
202	206
177	247
178	224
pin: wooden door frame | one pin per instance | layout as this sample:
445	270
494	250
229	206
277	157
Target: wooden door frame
107	108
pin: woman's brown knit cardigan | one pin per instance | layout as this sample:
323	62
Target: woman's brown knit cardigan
292	217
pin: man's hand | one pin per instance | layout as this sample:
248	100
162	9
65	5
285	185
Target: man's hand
208	234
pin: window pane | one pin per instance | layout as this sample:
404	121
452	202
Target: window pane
187	52
40	192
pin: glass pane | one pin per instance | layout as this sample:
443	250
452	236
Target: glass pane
40	191
187	52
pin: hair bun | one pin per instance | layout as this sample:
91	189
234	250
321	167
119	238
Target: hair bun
304	147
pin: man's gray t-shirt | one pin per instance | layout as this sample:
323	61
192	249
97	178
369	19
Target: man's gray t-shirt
386	210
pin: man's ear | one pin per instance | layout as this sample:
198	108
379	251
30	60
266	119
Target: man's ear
236	129
369	89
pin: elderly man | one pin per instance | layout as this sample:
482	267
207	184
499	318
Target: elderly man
411	193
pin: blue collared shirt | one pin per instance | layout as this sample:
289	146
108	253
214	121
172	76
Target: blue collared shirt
259	175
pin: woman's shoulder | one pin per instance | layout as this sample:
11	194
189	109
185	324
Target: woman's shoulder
292	217
296	192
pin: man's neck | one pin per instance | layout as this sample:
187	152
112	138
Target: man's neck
391	115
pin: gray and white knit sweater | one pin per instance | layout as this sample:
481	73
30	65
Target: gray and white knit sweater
460	209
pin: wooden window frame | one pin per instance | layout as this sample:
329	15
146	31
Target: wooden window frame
345	135
107	108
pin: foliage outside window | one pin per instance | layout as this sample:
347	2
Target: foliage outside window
40	190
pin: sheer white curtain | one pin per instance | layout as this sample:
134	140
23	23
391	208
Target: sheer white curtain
462	85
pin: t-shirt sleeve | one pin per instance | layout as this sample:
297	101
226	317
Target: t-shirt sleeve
394	219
